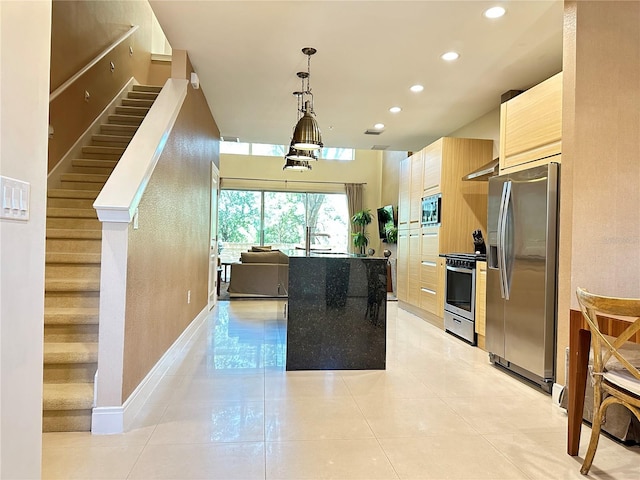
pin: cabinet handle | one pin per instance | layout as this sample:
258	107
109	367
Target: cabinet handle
429	264
426	290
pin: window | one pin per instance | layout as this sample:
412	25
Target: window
269	150
279	219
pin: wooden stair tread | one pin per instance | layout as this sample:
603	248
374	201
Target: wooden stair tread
103	149
70	352
94	163
67	396
70	316
71	285
121	128
75	257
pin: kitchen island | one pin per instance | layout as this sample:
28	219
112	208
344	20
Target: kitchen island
337	312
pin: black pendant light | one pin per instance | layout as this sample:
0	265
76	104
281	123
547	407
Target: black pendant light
300	165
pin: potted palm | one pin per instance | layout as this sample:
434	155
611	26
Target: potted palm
360	221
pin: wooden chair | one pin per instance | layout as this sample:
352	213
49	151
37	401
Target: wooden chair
611	372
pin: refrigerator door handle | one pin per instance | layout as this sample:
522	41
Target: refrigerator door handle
505	270
502	239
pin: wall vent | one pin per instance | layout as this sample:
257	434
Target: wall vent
379	147
227	138
372	132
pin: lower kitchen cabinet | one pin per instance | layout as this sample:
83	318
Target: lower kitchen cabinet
481	302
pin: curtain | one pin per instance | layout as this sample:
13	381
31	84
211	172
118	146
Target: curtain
354	203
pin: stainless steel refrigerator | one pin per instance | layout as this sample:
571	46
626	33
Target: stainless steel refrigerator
521	272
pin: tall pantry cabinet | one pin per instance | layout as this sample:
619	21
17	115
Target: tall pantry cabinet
438	168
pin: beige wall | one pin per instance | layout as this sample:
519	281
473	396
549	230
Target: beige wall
80	30
600	180
169	253
24	83
487	126
366	168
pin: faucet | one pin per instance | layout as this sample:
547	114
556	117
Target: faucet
307	240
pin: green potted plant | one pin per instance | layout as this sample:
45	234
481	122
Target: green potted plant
360	221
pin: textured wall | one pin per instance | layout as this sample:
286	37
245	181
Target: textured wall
600	189
169	253
80	30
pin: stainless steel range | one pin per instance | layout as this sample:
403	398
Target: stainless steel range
460	295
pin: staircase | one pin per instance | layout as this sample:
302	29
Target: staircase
72	269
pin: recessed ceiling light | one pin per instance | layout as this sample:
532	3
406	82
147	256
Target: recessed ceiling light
379	126
494	12
417	88
395	109
449	56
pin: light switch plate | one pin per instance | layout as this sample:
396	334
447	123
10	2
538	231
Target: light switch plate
14	199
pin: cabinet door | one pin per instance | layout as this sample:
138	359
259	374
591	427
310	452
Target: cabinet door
404	194
413	293
432	171
481	297
531	124
402	274
415	209
442	277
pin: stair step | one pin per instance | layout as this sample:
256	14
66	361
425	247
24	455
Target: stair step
73	234
125	119
60	212
73	257
71	315
110	140
103	149
84	178
72	271
74	224
71	193
147	88
66	421
72	300
69	352
69	373
137	102
69	396
129	110
115	129
85	203
94	163
73	246
71	285
142	95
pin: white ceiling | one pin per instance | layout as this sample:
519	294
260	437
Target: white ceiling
247	53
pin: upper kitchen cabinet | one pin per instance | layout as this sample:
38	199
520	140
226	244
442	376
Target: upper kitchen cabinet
464	204
404	194
415	209
531	126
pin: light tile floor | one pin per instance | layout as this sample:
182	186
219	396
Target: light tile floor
227	409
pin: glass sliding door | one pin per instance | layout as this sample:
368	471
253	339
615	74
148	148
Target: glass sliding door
279	219
284	219
239	222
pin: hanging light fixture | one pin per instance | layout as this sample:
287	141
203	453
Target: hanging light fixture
306	134
300	165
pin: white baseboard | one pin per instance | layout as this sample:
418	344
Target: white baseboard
118	419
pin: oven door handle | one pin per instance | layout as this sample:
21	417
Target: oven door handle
458	269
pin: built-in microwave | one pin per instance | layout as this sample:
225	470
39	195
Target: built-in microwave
431	210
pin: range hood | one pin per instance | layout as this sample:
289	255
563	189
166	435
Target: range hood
484	172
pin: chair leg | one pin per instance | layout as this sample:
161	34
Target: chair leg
596	426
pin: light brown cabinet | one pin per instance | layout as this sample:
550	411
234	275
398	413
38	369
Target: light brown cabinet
481	302
531	126
438	168
404	198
